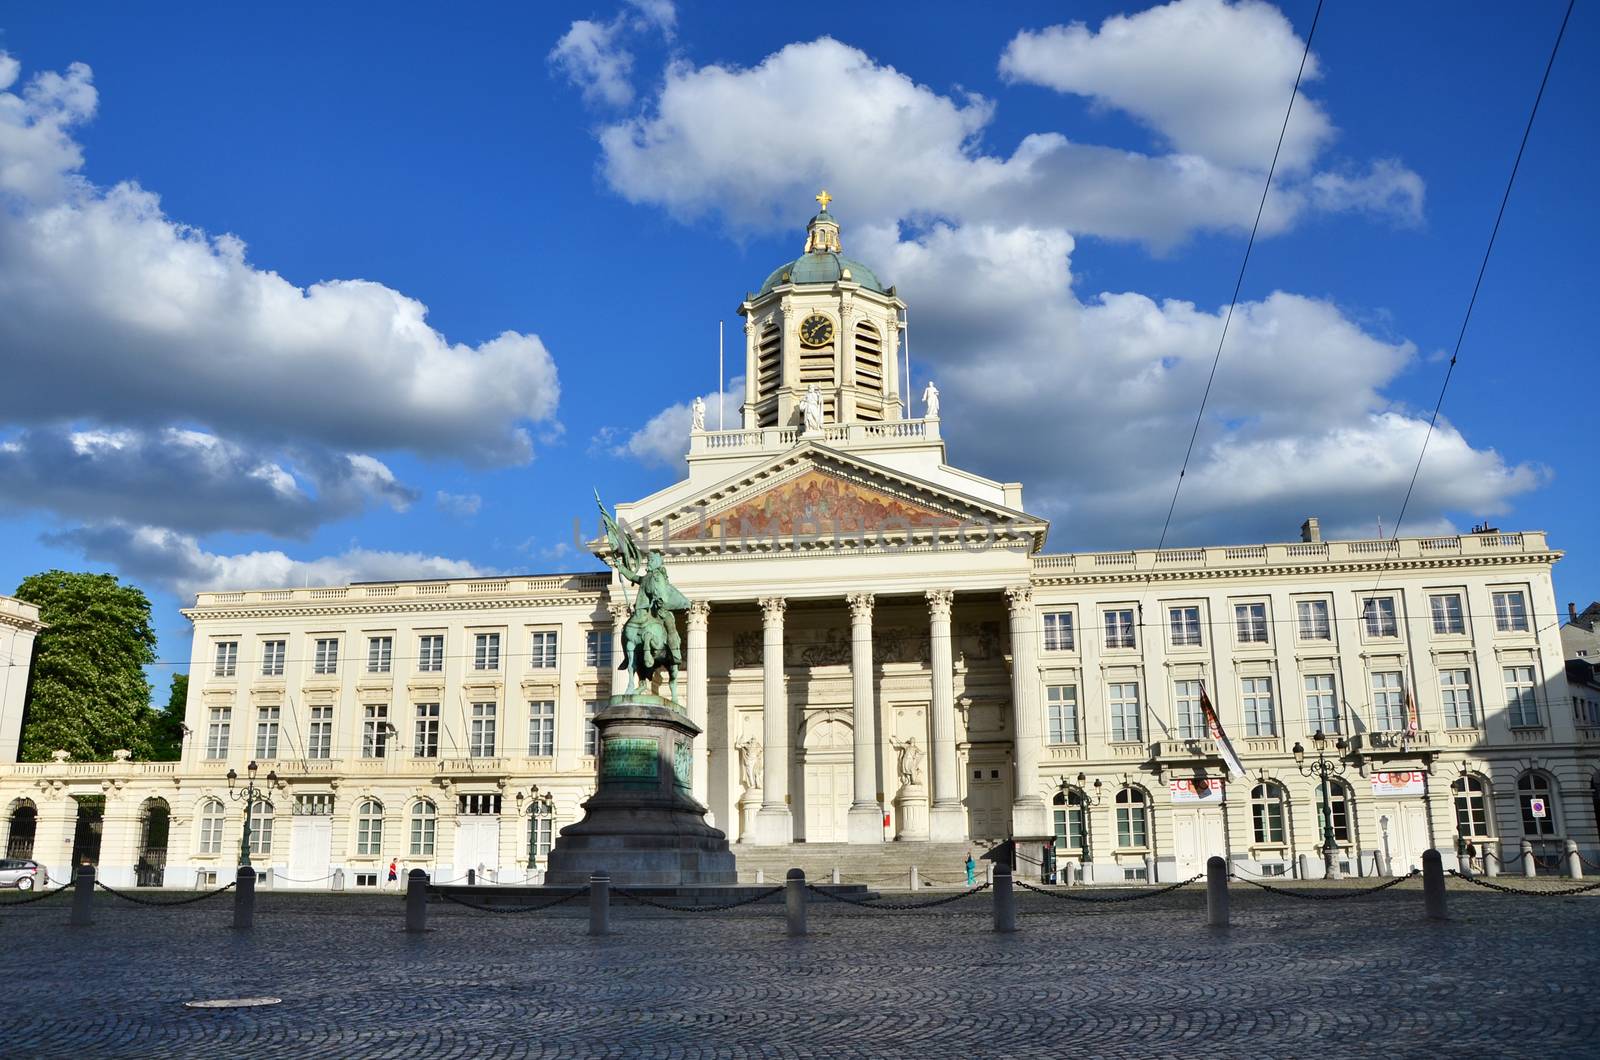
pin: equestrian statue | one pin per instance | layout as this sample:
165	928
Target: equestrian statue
650	638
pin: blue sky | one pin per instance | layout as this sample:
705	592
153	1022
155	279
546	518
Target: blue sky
546	207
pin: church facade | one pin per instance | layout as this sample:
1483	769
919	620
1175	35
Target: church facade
880	651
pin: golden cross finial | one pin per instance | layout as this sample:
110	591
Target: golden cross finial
824	198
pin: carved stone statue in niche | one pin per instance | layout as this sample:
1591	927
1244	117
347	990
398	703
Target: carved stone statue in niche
909	764
750	760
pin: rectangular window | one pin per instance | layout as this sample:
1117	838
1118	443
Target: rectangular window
486	651
227	659
1322	706
430	653
1185	624
1186	706
424	829
1448	616
380	654
1131	823
1378	616
591	735
1250	623
1061	706
320	744
1314	623
426	743
1521	708
541	829
369	835
542	656
480	738
1255	695
597	649
1511	612
1123	698
375	730
267	732
1388	702
326	660
541	728
1119	629
272	653
1058	631
211	830
217	732
1455	690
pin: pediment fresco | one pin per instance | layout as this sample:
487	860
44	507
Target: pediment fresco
815	504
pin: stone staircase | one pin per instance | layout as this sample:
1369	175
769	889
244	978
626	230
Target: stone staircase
884	866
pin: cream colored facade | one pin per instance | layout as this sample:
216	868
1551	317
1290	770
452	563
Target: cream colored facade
879	651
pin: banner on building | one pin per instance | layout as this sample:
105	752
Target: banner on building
1404	782
1208	789
1230	757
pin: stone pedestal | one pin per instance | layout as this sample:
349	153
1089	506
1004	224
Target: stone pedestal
642	825
911	813
749	806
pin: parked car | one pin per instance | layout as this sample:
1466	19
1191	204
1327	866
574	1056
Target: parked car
22	874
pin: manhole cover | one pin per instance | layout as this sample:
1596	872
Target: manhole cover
234	1002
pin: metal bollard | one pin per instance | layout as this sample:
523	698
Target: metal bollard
416	901
1216	891
1464	866
761	876
1381	866
1528	868
244	899
1305	866
911	878
988	872
600	903
82	897
1433	885
836	874
1005	900
1574	863
794	901
472	877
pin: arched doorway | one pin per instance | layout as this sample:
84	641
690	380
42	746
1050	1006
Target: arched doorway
155	820
24	822
828	778
86	837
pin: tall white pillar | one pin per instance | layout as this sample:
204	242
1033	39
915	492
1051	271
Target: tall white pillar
774	821
947	820
751	375
865	823
1029	817
696	693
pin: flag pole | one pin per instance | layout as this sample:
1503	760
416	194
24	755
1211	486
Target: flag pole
721	401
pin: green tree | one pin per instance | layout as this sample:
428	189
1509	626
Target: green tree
166	727
88	693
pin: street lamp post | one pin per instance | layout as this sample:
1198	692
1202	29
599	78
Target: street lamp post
544	804
1088	801
247	794
1325	769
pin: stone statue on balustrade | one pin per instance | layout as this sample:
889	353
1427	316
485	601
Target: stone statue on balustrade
697	415
811	409
750	761
650	640
930	401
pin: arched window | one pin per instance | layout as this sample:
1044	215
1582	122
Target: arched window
1133	818
261	827
769	372
1538	805
210	819
369	827
24	824
1266	813
1069	821
1339	802
541	830
1471	797
869	364
424	828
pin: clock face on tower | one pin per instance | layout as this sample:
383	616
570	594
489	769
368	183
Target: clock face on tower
816	330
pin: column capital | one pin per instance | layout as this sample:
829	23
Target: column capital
619	612
699	613
772	608
860	606
940	601
1020	597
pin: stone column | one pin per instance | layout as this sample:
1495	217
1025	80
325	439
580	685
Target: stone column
866	812
891	368
947	820
696	694
619	618
752	363
1029	817
774	821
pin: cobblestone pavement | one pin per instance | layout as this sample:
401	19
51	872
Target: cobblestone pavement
1145	979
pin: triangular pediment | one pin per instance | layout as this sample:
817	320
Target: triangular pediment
813	497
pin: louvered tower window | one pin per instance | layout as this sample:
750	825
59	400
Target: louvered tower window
769	372
869	372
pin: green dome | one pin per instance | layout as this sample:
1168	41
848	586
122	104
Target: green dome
822	267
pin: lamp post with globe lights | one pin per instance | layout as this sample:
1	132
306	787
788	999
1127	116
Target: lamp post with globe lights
1325	769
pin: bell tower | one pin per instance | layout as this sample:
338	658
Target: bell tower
821	320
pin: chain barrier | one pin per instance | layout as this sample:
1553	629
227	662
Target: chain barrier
291	879
895	907
1332	896
1563	892
41	896
190	900
515	908
642	900
1586	861
1068	896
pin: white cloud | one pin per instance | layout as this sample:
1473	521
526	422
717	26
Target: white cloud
459	504
595	60
113	312
664	440
1211	77
177	563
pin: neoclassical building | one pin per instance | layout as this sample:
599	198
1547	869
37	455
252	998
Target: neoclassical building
881	652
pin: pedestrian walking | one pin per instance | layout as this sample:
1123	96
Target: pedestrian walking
394	870
972	869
